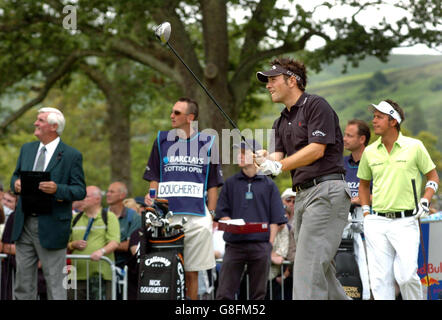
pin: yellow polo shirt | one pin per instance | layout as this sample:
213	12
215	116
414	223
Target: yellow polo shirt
392	172
99	237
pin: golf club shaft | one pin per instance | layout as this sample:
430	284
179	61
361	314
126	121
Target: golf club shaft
413	183
233	124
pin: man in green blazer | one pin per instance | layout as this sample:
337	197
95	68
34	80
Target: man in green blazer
44	236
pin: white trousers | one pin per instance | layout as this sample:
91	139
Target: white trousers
392	251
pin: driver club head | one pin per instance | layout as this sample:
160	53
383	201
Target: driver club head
163	32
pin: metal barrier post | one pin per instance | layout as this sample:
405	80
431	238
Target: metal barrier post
113	272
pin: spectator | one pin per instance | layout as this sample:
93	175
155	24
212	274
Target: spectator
9	202
174	154
279	255
253	198
132	204
102	240
43	236
8	265
356	138
128	219
141	204
288	200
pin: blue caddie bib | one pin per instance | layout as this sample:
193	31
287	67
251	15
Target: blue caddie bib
184	171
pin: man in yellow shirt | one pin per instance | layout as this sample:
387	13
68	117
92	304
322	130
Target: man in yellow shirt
392	230
102	240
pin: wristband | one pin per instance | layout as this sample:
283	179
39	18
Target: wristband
366	208
70	246
433	185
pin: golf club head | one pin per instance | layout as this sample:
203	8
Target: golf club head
176	225
157	224
163	32
169	215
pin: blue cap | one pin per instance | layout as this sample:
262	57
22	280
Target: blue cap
250	142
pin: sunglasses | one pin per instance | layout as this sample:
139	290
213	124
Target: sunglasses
177	113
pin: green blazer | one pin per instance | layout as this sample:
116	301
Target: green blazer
66	167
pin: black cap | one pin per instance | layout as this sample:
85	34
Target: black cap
276	70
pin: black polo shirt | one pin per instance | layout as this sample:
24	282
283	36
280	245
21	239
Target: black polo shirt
310	120
266	205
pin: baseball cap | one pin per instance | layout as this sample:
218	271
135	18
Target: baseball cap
256	145
140	201
288	193
276	70
387	108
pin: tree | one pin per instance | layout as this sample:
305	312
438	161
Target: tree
222	52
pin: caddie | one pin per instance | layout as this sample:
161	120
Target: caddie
183	167
391	228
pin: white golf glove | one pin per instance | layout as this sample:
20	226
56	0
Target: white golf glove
424	209
269	167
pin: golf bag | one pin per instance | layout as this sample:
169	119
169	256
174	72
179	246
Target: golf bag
347	270
161	270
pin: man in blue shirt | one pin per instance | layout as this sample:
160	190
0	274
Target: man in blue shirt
356	138
253	198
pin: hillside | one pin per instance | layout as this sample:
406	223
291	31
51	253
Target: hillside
370	65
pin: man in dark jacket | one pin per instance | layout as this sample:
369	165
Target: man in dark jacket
44	235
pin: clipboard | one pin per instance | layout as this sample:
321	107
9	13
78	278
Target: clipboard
33	199
249	227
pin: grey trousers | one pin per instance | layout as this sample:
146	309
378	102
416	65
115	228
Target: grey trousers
28	252
321	213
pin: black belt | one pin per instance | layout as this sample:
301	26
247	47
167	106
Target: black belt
315	181
395	215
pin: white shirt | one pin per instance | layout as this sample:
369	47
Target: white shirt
50	149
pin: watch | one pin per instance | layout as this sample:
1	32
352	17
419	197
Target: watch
212	213
103	250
